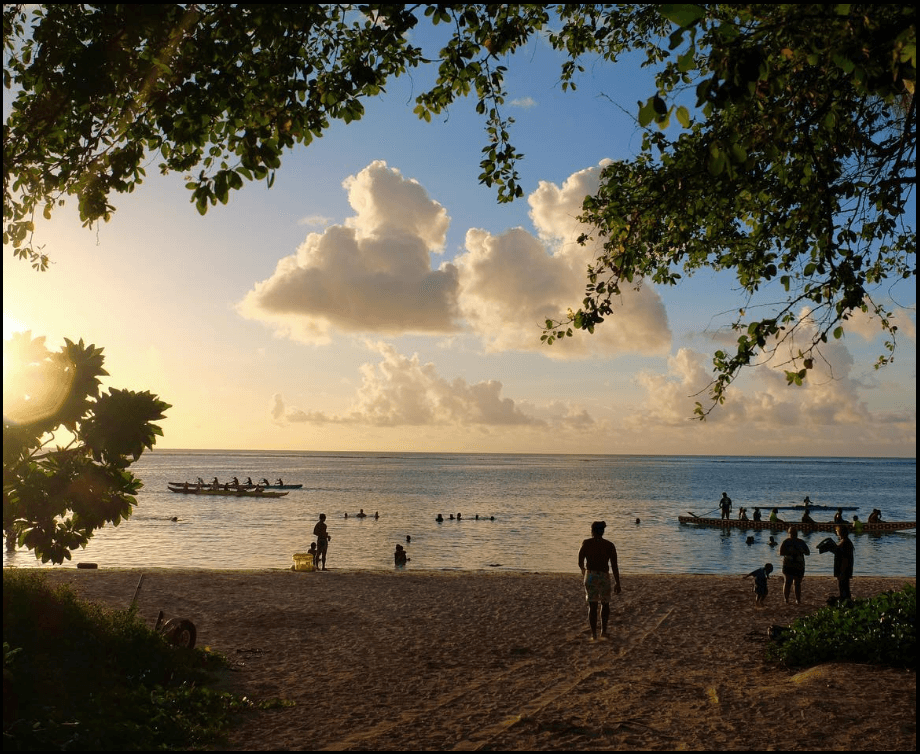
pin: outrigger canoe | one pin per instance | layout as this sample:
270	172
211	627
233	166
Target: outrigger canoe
735	523
232	492
244	486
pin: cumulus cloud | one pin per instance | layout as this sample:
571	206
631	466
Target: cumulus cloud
372	274
762	399
402	391
868	326
511	283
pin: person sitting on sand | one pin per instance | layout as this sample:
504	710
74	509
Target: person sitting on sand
399	557
595	553
760	577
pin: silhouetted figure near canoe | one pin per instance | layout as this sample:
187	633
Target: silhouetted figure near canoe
793	551
235	482
774	517
440	518
408	539
838	516
322	539
458	516
249	482
875	517
806	518
857	525
725	505
361	514
280	483
265	482
742	514
593	557
843	562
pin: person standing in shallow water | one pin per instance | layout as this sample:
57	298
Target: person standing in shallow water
593	559
322	540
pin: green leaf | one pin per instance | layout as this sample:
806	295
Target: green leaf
684	15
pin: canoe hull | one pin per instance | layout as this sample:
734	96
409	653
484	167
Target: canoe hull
225	493
734	523
248	486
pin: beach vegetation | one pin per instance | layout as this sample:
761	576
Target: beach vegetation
67	445
77	676
880	630
778	141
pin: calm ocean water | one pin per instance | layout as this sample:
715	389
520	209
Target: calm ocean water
542	505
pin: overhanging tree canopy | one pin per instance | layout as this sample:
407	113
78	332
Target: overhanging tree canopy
794	162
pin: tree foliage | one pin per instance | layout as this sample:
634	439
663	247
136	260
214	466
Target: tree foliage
779	143
55	498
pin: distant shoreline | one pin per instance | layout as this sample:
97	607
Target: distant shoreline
398	453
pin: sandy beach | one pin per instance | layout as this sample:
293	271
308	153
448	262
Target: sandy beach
503	661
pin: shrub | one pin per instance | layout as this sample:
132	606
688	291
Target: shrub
79	676
881	630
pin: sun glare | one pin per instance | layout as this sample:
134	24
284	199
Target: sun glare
11	325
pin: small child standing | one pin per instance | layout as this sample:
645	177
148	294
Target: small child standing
760	577
314	553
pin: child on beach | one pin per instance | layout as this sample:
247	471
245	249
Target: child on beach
400	556
760	577
314	553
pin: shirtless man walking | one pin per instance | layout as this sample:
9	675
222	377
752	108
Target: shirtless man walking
596	553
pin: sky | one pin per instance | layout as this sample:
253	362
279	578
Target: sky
378	298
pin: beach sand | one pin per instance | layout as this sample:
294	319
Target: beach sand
504	661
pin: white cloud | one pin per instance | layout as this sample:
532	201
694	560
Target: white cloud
761	399
510	284
401	391
868	325
371	275
525	102
319	221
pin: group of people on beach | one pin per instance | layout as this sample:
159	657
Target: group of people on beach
597	561
793	551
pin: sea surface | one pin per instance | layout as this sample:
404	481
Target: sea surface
534	511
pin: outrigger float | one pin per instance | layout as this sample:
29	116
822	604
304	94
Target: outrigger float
740	523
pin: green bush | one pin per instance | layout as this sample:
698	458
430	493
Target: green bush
881	630
78	676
